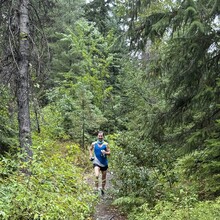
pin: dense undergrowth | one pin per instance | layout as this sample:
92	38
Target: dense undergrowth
168	190
55	187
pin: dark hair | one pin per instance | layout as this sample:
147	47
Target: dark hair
101	132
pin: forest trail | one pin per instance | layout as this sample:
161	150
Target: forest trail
104	210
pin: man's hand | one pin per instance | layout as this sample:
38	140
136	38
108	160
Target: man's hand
91	158
104	152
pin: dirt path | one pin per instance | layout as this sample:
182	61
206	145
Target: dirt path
104	209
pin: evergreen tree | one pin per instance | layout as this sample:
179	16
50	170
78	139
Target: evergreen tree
181	73
20	57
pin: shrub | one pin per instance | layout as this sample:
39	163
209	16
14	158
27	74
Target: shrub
56	188
165	210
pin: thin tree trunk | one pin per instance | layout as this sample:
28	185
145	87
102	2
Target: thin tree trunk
83	125
23	82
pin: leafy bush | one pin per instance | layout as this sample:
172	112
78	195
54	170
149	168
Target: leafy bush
51	121
55	189
166	188
165	210
201	169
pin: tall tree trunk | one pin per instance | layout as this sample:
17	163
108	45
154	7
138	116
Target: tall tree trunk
23	82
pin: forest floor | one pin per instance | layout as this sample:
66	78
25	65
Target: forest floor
104	210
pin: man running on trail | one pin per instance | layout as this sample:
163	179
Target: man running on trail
101	149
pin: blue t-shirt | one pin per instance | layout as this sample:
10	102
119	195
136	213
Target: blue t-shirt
100	159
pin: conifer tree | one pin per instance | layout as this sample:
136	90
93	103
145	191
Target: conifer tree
183	65
21	59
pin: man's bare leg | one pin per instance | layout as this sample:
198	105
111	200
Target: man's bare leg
97	171
104	173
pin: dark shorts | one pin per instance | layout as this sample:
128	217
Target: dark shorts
101	168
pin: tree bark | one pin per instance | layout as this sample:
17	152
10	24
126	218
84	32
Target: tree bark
23	82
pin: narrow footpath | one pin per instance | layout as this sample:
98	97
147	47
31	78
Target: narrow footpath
104	210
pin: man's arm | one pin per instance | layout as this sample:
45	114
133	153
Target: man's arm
91	150
107	152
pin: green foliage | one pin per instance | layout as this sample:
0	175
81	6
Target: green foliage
84	70
51	120
164	100
166	210
92	52
128	182
8	133
171	133
101	13
53	190
128	203
203	168
89	55
175	189
188	81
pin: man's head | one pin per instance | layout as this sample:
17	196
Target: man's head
100	135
